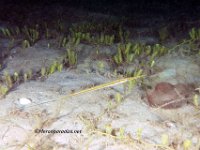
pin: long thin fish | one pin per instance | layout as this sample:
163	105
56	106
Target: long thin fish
98	87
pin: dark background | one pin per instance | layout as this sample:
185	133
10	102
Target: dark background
118	6
14	11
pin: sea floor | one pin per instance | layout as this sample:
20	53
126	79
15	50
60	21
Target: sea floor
107	117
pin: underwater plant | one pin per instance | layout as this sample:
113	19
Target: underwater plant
126	53
165	139
25	77
108	128
118	97
194	34
196	100
8	80
139	134
47	33
60	25
158	50
101	66
187	144
31	34
105	33
59	67
16	77
3	90
123	35
6	32
118	59
51	70
43	72
63	42
71	57
163	33
25	44
29	74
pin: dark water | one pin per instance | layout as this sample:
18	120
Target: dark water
114	7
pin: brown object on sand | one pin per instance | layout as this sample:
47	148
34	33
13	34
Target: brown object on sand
166	95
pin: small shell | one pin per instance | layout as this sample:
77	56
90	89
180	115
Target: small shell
25	101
